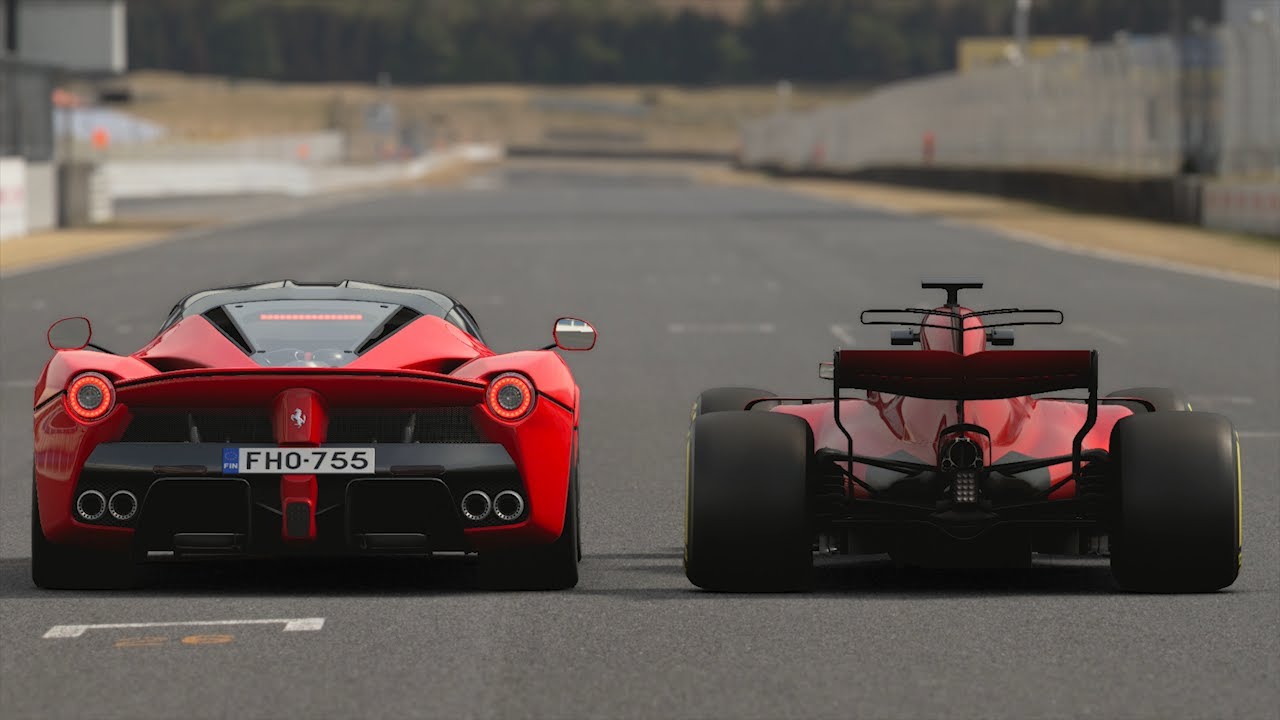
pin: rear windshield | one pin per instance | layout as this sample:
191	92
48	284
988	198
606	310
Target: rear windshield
312	333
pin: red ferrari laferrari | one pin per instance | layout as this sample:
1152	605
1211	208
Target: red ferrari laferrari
285	418
955	458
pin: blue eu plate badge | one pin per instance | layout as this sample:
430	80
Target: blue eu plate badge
230	460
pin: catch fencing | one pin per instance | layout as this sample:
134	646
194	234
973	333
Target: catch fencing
1251	100
1135	107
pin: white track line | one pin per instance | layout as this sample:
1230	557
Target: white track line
290	625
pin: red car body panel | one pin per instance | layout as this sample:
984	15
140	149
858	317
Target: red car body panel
887	425
298	488
428	363
908	427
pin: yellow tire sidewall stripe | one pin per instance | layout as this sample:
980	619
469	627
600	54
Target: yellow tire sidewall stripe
688	480
1239	505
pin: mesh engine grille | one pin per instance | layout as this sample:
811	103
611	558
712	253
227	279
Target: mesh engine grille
234	427
432	425
446	425
212	426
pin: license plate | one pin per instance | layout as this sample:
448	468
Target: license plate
304	461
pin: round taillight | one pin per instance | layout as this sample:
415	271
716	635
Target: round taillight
90	396
509	396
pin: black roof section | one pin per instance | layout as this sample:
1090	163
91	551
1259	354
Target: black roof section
427	302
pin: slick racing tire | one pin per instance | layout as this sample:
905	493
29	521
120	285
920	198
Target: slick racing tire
730	398
1177	524
1162	399
540	567
746	522
58	567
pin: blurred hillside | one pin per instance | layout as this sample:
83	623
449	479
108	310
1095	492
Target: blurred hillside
653	118
691	42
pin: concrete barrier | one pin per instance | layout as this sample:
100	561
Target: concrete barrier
1243	206
318	147
13	197
32	196
605	153
1171	198
42	196
83	195
200	177
178	178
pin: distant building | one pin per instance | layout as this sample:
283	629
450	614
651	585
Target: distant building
83	37
44	43
979	52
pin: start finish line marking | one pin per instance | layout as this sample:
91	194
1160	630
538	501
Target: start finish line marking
290	625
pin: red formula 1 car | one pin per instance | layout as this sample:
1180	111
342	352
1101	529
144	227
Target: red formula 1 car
312	419
951	460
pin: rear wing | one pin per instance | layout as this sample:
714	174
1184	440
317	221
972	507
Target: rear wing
946	375
989	375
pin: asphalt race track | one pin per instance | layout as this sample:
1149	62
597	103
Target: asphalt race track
690	287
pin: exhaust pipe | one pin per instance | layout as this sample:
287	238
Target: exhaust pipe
476	505
123	505
508	505
961	454
91	505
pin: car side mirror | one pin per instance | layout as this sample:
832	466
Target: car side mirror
1000	337
574	334
72	333
827	371
904	336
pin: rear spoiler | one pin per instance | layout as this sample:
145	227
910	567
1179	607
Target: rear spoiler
946	375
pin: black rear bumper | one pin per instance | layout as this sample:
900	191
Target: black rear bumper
409	503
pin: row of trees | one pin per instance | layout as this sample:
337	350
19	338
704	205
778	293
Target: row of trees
579	41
